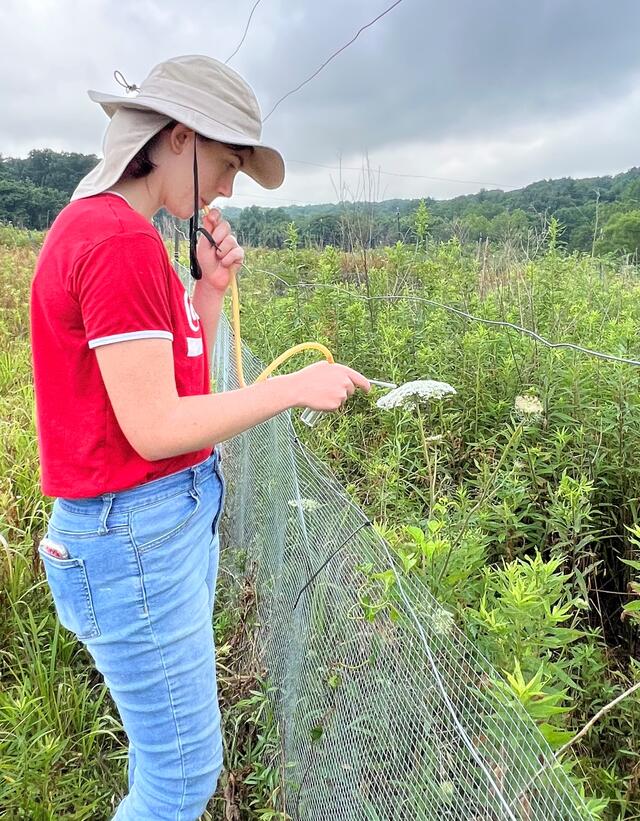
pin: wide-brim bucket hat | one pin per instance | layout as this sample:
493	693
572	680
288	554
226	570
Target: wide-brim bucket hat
198	91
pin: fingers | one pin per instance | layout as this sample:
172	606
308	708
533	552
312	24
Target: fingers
217	227
358	379
211	219
221	231
228	251
227	244
234	257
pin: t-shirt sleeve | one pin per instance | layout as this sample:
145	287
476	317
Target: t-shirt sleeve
122	288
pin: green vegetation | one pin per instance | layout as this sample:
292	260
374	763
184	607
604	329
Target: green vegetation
522	516
525	523
62	748
600	214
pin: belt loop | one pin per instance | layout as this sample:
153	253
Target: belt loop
194	481
107	501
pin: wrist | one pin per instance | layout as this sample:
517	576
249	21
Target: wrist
288	388
202	286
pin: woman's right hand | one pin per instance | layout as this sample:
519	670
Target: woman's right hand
324	386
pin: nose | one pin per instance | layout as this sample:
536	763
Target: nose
226	181
226	188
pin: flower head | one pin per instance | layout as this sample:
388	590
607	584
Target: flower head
528	407
411	394
304	504
442	621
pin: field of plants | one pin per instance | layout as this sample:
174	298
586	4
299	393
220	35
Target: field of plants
62	748
517	499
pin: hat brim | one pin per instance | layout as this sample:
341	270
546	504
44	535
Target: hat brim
265	164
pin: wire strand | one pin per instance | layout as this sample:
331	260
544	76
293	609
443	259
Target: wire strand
500	323
408	176
329	59
256	4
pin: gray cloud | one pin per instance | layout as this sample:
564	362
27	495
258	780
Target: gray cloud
493	90
431	70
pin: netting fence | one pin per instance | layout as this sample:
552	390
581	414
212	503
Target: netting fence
392	716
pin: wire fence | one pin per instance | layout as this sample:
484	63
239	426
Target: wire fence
385	710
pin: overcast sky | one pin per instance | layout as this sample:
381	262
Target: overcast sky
472	92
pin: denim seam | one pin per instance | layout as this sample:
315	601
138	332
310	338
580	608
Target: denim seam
164	499
147	547
71	508
143	589
89	602
171	702
87	534
78	563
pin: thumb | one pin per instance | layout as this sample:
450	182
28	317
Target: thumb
213	217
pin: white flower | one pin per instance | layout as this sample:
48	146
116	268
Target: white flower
411	394
442	621
304	504
528	407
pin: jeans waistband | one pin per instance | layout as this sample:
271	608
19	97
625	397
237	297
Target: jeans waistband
163	487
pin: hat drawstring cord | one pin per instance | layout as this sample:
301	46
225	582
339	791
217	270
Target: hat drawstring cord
194	228
124	83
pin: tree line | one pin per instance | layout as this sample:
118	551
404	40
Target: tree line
598	214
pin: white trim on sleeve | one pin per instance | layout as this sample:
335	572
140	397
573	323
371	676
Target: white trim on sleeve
108	340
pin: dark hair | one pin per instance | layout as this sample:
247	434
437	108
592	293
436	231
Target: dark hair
142	165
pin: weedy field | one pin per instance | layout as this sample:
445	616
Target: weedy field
516	499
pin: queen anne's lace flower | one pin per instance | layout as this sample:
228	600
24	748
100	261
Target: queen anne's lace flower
442	621
528	407
304	504
415	393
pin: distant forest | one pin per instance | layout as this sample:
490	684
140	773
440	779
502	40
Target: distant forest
598	214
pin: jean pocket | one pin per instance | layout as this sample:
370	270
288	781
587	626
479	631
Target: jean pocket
69	585
223	493
156	523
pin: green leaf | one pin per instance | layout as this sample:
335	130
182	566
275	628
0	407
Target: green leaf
631	563
555	737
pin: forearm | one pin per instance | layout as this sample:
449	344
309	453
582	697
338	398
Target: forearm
196	422
208	303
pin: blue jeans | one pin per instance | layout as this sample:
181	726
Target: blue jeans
135	582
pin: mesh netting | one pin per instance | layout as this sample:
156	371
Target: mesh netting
397	716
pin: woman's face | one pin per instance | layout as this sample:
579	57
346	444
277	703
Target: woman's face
218	165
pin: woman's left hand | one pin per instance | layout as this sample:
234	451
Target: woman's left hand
218	265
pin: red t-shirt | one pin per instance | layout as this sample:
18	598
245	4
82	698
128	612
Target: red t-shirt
103	275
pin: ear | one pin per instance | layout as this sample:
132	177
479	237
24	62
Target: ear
180	138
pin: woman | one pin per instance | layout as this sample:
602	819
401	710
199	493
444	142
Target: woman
127	425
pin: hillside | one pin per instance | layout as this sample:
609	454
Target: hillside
597	213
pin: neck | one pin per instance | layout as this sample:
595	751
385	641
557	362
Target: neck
140	196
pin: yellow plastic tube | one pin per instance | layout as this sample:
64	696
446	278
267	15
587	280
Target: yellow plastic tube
303	346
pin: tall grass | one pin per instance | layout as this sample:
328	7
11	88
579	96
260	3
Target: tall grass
62	747
520	526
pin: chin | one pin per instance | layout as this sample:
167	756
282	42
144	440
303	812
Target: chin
181	211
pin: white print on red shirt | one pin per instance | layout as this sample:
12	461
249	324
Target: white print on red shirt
192	317
194	343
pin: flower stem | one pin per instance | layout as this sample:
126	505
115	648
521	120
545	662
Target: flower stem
517	431
432	478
